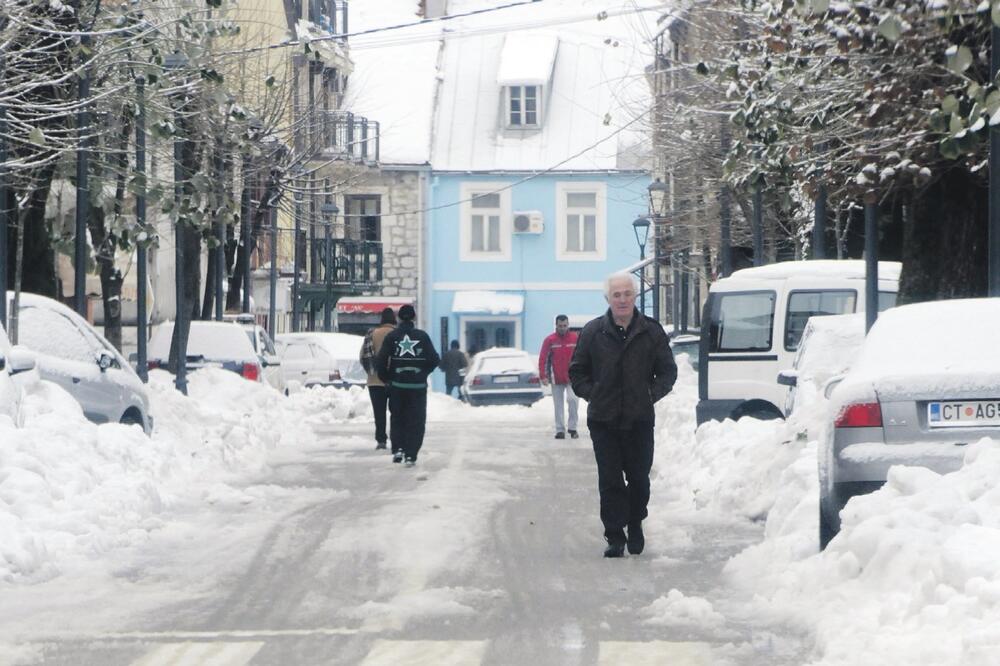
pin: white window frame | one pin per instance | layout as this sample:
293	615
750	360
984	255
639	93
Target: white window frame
508	99
601	236
467	191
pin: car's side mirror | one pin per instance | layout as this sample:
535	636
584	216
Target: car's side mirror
105	360
788	377
831	384
269	362
20	360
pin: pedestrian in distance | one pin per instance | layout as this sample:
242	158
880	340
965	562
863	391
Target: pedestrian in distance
553	367
452	363
377	391
406	359
622	366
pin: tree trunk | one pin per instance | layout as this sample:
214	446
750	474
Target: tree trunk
39	272
945	242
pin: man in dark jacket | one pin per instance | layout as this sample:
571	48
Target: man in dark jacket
406	359
452	363
622	365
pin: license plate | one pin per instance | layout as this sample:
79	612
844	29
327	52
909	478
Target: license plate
506	379
959	413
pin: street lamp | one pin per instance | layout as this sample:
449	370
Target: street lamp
295	258
641	228
329	212
658	202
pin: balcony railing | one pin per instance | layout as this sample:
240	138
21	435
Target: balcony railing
344	135
331	15
348	263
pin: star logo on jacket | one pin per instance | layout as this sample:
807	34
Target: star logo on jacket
408	346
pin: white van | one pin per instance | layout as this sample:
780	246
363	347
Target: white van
753	322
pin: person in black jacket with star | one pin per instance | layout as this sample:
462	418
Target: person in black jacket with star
622	366
405	360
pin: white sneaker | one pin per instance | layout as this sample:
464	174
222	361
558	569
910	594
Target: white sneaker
409	462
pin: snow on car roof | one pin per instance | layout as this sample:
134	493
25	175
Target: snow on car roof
340	345
936	347
844	268
832	343
215	340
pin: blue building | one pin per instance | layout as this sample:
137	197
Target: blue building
536	178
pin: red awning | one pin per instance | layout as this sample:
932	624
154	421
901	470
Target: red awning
374	305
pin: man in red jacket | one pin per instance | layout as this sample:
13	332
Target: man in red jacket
553	363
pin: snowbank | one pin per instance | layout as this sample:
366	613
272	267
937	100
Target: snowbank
913	577
69	488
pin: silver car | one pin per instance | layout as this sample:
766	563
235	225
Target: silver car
70	353
912	398
502	376
13	361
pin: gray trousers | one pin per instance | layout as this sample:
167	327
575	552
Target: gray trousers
563	393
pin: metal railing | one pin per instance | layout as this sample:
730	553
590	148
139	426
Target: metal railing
331	15
347	263
344	135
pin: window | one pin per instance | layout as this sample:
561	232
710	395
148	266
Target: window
298	352
52	334
364	217
523	107
580	221
486	222
742	322
886	300
805	304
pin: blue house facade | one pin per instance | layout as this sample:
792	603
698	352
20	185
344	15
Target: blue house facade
515	254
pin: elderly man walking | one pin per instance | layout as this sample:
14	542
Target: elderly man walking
622	366
553	364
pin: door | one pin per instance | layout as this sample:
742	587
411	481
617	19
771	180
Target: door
270	362
483	335
297	362
742	349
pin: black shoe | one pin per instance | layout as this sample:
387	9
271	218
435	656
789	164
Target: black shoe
615	549
380	446
573	434
636	541
397	457
560	435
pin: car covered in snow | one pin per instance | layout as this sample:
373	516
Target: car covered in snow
13	362
335	358
219	344
69	352
502	376
925	386
686	344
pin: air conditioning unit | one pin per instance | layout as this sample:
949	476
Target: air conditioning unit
528	222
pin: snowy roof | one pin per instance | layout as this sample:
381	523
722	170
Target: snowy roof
527	59
394	78
487	302
846	268
591	113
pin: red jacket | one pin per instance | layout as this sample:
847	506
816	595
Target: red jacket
556	354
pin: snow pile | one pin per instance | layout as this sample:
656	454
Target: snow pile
728	466
913	577
69	488
678	611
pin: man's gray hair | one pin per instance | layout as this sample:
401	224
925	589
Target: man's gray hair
620	275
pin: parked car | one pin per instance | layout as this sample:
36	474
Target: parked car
926	385
219	344
306	362
265	349
828	348
344	351
13	361
688	345
70	353
753	321
502	376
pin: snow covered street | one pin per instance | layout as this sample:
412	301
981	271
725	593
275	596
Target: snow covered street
256	529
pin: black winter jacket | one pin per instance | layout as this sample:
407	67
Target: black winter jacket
622	376
406	358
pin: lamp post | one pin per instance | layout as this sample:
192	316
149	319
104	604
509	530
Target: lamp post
178	61
140	220
329	212
295	261
658	201
641	228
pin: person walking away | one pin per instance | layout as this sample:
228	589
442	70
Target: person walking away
377	392
622	366
553	366
406	359
452	363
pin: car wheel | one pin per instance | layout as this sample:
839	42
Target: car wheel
132	417
757	409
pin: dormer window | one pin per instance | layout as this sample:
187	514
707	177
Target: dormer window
523	106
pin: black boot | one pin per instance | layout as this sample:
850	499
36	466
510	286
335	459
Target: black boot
616	545
636	540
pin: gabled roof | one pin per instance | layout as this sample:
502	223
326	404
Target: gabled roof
593	111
